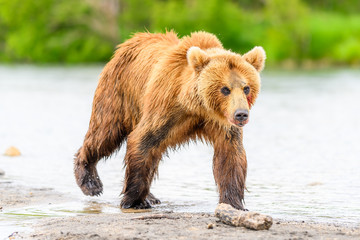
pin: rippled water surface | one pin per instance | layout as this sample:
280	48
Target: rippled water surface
302	144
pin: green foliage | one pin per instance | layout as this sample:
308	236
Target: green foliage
51	31
135	16
224	18
286	31
88	30
347	6
335	37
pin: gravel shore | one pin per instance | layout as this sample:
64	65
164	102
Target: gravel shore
150	225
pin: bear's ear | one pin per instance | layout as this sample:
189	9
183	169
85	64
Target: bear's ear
256	57
197	58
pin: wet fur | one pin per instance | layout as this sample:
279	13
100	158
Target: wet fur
157	94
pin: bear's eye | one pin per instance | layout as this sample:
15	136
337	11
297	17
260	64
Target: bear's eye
225	90
246	90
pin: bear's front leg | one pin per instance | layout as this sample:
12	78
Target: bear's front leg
229	167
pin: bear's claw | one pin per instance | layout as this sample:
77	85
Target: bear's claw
92	188
152	199
88	181
137	205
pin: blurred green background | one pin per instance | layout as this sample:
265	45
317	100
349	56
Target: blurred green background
294	33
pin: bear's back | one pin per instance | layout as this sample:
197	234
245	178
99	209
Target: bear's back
128	73
129	70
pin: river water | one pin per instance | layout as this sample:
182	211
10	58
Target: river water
302	145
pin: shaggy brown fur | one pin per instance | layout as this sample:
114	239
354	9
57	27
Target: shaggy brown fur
159	91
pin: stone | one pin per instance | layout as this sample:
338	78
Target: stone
12	152
252	220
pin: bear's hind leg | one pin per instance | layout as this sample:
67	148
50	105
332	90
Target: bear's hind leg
86	174
97	144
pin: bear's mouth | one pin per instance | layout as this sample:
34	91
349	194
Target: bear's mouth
238	123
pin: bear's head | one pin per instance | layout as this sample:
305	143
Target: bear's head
227	83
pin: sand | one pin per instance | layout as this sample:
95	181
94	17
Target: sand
155	224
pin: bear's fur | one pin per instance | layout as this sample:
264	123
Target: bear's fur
159	91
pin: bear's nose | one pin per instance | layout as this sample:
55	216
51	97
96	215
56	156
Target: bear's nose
241	115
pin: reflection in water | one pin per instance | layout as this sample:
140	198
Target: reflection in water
93	207
132	210
301	142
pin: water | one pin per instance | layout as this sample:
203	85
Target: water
302	144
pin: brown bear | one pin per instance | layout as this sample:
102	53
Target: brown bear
158	92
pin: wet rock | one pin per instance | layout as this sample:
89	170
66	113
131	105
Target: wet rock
2	173
12	152
252	220
13	235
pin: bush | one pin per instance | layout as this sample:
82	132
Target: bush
51	31
87	31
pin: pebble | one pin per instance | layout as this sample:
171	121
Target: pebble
12	152
210	226
13	235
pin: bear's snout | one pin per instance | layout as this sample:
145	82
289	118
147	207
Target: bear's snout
241	117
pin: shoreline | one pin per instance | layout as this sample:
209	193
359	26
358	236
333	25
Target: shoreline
155	224
176	226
